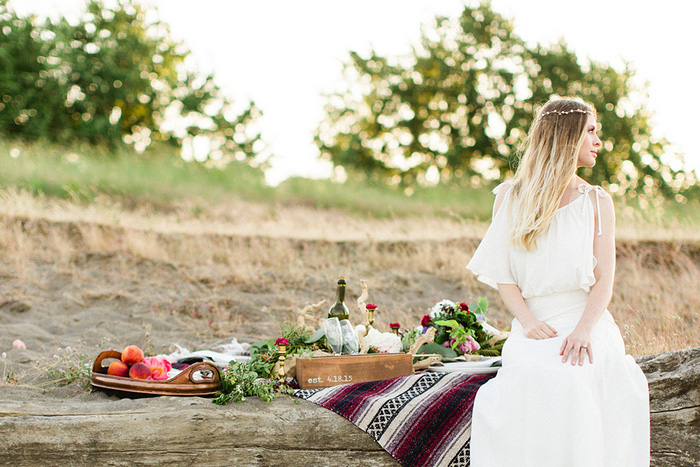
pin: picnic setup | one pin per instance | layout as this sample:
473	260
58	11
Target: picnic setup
412	390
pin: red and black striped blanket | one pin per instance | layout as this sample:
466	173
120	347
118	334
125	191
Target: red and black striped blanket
421	419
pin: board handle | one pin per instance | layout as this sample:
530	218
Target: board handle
188	374
97	366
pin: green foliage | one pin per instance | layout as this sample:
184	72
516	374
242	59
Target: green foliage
114	76
317	335
263	357
456	331
456	324
68	366
495	350
433	348
255	378
458	108
240	380
296	335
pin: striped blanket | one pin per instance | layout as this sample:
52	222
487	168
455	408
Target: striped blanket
421	419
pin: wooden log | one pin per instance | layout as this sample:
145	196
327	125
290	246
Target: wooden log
674	394
179	431
98	429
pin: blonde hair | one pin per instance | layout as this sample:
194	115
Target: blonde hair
546	168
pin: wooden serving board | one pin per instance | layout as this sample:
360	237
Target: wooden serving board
200	379
322	372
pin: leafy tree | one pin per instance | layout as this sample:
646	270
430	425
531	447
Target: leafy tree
458	109
29	96
115	76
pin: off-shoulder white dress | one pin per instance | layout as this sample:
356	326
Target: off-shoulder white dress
539	411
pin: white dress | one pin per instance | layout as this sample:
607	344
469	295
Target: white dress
539	411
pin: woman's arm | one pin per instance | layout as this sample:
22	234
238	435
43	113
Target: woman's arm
532	327
513	297
578	343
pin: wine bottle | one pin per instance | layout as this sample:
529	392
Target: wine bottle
339	309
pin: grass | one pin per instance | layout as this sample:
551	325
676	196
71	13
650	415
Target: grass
155	177
159	181
158	178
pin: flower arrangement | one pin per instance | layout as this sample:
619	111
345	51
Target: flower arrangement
461	328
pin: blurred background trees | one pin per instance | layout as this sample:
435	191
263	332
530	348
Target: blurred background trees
115	76
455	111
458	109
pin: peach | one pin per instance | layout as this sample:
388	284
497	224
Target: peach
140	371
132	354
118	368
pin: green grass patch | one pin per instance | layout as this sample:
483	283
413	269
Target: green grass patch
160	179
158	176
381	201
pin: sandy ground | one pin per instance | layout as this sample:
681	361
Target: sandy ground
93	301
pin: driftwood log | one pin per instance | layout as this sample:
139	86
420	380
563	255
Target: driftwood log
98	429
674	392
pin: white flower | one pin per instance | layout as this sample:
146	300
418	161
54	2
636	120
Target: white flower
382	342
440	306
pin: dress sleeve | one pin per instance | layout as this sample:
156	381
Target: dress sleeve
491	260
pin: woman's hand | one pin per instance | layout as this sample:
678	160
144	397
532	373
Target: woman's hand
536	329
578	345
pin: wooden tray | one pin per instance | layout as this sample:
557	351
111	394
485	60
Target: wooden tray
321	372
200	379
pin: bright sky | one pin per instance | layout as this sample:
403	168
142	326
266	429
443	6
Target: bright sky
284	55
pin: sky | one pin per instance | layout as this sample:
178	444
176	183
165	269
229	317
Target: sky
286	55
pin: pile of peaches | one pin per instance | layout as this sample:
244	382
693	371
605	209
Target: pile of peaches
132	364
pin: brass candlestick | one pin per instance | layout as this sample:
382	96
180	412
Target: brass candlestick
370	316
282	352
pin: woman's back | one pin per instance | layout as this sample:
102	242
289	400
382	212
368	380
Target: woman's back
563	260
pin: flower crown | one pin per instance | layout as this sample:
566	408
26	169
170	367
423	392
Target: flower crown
564	112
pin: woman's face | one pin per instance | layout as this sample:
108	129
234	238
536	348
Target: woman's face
591	143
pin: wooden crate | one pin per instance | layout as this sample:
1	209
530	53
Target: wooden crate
322	372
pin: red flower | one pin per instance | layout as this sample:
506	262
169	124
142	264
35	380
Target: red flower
394	325
282	341
425	321
464	307
371	306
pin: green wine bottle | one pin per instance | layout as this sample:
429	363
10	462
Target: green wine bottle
339	309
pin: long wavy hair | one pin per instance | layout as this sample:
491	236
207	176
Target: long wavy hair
546	168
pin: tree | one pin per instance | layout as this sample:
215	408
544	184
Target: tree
458	108
115	76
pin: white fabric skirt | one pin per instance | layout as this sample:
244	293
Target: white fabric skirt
540	412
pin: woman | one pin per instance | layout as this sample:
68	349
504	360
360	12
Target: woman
567	395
